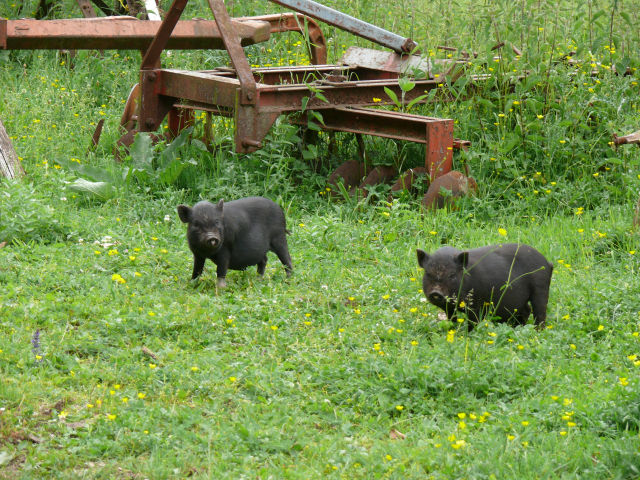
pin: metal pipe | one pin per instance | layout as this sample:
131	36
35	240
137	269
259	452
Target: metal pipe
350	24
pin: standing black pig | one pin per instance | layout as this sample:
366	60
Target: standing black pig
237	237
498	279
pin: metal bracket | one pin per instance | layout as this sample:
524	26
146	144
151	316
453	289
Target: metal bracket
249	91
350	24
3	34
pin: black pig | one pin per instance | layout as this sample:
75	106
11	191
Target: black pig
236	235
498	279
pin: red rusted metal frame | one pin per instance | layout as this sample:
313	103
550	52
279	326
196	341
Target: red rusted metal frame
217	93
153	108
436	133
255	105
632	138
248	119
207	88
86	8
3	34
179	119
238	58
124	33
306	26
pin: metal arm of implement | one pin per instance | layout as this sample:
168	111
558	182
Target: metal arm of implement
350	24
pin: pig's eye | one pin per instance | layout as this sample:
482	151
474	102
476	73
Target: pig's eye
196	224
215	224
453	276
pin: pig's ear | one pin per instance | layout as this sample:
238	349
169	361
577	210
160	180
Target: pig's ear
220	204
185	213
462	259
423	257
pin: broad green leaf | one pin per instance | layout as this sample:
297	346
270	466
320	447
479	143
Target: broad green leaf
171	172
535	138
322	97
96	173
142	175
171	152
142	152
100	190
407	86
199	145
622	65
627	18
383	400
597	43
415	100
615	161
5	457
597	15
510	145
313	126
318	116
532	81
393	97
304	103
486	103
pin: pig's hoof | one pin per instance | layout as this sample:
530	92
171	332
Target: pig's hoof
222	283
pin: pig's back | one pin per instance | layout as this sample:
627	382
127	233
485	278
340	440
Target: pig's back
509	260
253	213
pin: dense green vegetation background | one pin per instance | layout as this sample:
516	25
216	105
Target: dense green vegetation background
345	370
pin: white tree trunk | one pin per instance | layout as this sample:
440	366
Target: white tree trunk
9	164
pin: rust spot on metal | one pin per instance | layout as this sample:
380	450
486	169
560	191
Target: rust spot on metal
351	172
409	179
455	182
96	134
377	176
632	138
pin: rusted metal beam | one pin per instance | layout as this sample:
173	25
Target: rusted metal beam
209	88
350	24
86	8
295	22
632	138
436	133
159	43
239	60
121	33
3	34
380	123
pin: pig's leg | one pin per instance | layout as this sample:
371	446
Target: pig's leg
223	266
198	267
262	265
281	249
539	300
524	315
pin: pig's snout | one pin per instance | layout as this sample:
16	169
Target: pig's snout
436	296
212	240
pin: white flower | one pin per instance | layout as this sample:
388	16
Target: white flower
81	240
167	218
64	199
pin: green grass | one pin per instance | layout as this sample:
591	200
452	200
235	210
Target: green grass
285	378
321	376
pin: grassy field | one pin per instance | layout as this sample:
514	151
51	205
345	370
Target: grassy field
114	365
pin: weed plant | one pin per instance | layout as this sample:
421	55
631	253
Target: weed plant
114	365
